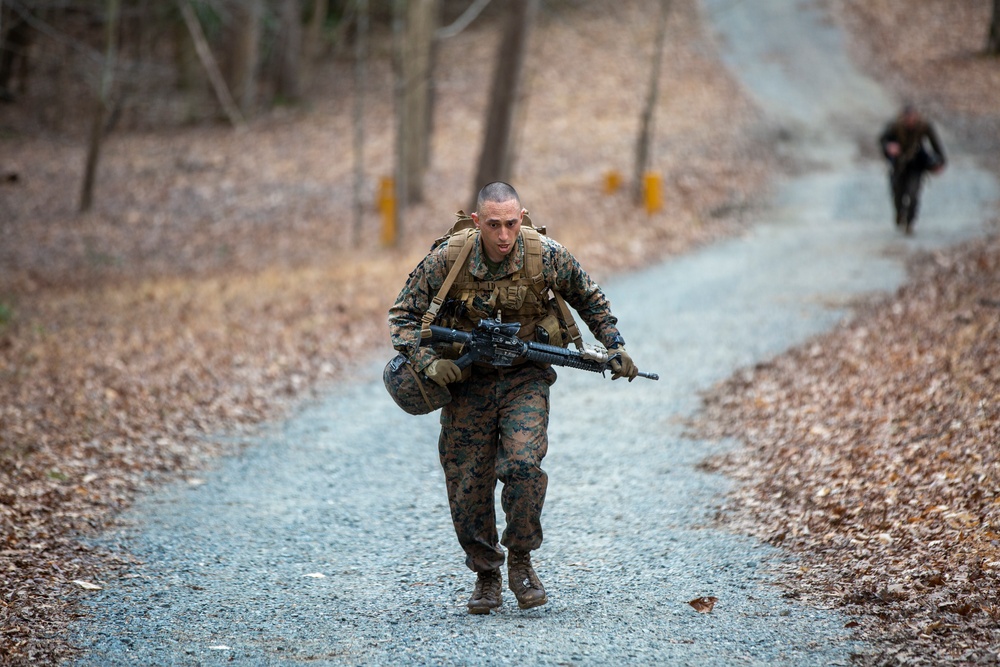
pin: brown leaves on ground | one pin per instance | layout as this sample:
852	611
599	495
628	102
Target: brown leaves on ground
872	452
931	50
704	605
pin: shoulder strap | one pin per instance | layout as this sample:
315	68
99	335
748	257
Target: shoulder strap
567	315
533	255
459	249
533	268
460	253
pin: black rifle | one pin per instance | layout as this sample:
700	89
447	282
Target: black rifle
496	343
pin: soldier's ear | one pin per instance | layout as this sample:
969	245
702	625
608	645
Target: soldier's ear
475	218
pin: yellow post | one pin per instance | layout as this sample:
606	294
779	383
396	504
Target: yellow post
653	192
612	181
387	207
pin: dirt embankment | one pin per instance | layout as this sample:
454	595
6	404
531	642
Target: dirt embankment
872	451
221	274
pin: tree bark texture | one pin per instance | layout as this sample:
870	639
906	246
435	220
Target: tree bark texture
287	83
113	9
314	33
208	62
244	51
646	121
495	161
360	89
416	59
993	40
398	97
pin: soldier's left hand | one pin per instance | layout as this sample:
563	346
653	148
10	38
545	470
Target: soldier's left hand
622	365
443	372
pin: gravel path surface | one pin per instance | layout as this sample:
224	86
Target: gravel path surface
328	541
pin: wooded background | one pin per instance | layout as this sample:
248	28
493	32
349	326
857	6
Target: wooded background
156	65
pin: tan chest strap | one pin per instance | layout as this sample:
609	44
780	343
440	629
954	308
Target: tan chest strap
461	256
459	249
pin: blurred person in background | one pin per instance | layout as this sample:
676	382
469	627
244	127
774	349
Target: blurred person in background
912	147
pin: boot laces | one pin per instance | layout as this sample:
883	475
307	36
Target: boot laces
521	571
487	584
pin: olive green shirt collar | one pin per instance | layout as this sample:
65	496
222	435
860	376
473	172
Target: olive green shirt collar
511	264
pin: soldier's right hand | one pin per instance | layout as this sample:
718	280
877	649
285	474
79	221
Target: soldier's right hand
443	371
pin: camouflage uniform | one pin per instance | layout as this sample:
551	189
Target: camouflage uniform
496	424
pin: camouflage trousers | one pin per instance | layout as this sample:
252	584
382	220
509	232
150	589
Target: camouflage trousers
495	428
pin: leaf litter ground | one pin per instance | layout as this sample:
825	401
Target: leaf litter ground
222	276
871	452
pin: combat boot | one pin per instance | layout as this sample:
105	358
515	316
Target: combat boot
523	581
486	595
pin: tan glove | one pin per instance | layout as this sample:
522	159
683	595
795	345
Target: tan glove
443	371
623	366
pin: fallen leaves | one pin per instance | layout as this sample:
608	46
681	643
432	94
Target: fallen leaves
703	605
221	274
891	500
889	493
87	586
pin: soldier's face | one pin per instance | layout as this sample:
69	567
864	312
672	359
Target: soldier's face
499	224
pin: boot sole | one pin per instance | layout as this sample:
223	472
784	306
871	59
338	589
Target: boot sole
481	610
533	603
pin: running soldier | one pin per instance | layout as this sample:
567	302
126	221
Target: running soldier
905	143
495	426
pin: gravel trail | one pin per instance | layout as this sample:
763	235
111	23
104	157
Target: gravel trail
327	541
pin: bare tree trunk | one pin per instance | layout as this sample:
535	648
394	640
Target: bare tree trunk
190	81
103	104
398	94
208	62
415	61
463	21
645	138
244	51
360	87
993	40
495	163
16	37
314	33
288	76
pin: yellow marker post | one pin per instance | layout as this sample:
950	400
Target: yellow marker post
653	192
612	181
387	207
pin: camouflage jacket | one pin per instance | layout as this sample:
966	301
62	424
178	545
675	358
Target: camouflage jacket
561	272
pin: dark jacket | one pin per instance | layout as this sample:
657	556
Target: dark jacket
914	141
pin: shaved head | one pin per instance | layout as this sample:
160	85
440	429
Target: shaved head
497	192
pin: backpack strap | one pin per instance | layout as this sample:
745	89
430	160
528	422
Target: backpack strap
533	257
533	269
458	249
571	328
